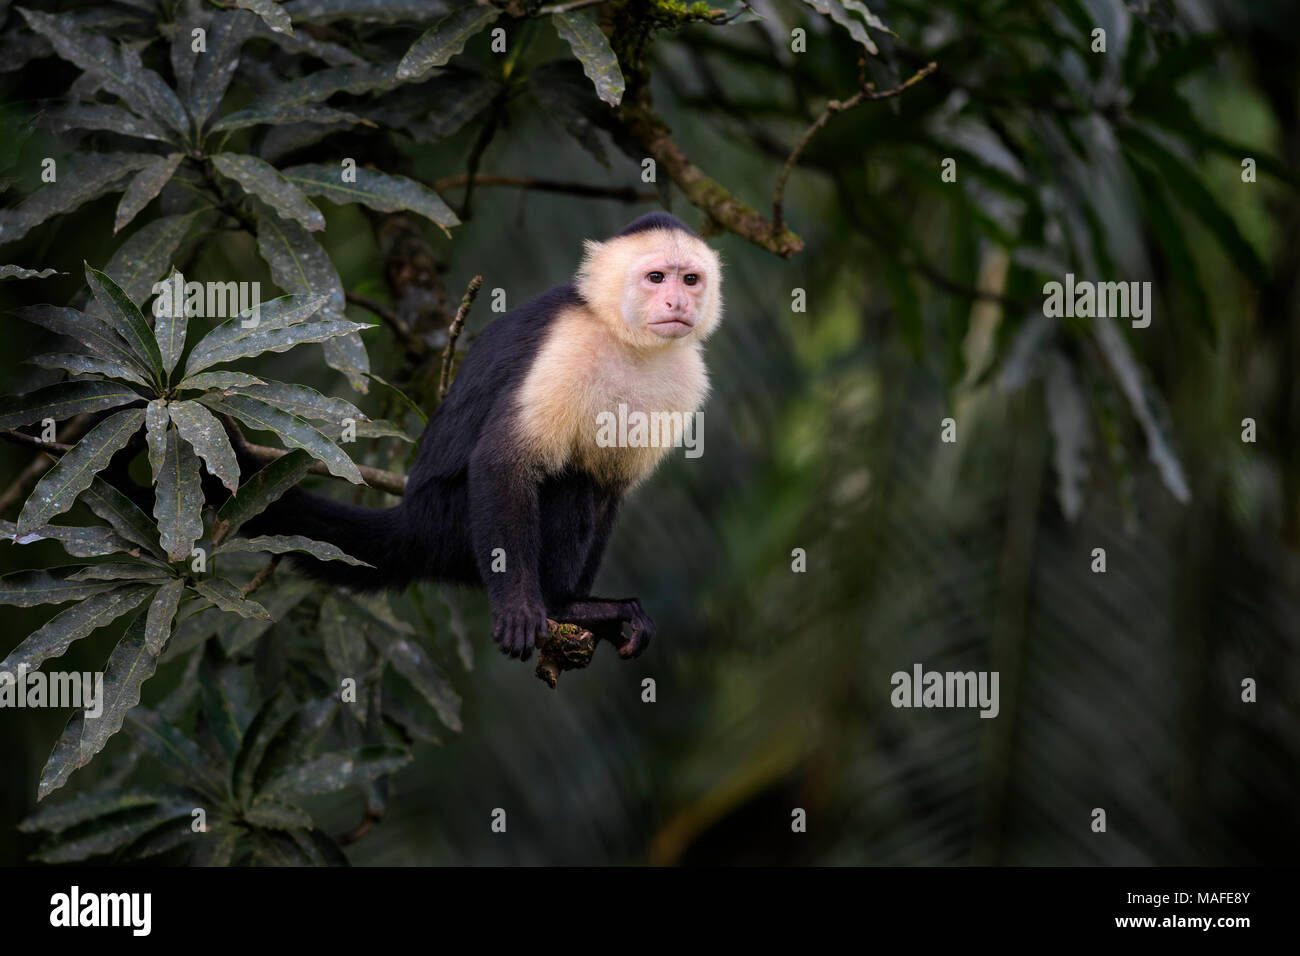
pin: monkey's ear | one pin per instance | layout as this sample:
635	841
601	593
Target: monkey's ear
591	248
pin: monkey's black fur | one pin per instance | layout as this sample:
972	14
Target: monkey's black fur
469	493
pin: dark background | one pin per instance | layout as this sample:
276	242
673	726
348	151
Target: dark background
1118	690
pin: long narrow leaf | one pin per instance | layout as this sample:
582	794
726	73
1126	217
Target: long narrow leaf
56	492
294	432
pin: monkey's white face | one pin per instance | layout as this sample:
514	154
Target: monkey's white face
666	295
656	288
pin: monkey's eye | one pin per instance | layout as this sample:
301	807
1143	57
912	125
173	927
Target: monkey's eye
690	278
656	277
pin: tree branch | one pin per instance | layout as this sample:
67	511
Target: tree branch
834	107
453	333
702	191
622	193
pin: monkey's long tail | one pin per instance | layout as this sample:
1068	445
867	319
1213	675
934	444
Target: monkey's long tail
376	536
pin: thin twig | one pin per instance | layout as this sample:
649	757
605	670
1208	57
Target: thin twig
262	576
375	307
453	333
31	441
365	826
622	193
834	107
723	20
26	479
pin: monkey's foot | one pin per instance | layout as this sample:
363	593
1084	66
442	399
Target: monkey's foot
566	647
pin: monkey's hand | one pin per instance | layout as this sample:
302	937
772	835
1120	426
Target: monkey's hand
640	630
518	627
606	619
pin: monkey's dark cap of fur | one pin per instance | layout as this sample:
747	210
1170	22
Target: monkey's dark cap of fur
656	220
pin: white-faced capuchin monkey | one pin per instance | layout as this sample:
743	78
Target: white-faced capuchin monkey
511	490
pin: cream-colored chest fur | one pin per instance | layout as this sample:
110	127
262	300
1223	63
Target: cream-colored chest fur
582	371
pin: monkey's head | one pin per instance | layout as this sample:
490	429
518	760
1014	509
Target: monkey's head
656	282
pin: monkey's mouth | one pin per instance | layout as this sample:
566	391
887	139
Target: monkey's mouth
671	328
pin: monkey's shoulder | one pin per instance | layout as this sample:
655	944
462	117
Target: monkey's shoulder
581	375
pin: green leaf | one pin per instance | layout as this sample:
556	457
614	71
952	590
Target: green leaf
117	67
18	272
103	116
142	259
56	492
93	542
838	10
1067	416
218	846
278	115
258	491
1145	404
579	29
31	588
277	324
270	12
124	317
334	771
226	596
299	264
263	180
81	178
219	380
237	635
145	185
321	85
67	627
156	420
217	676
213	70
1173	245
56	817
178	506
170	321
381	191
270	717
283	543
344	638
296	739
129	666
136	571
411	661
277	814
305	402
200	428
123	514
63	400
87	365
294	432
359	11
437	45
1192	193
161	738
111	832
161	614
90	331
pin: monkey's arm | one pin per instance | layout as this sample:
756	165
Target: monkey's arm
505	514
